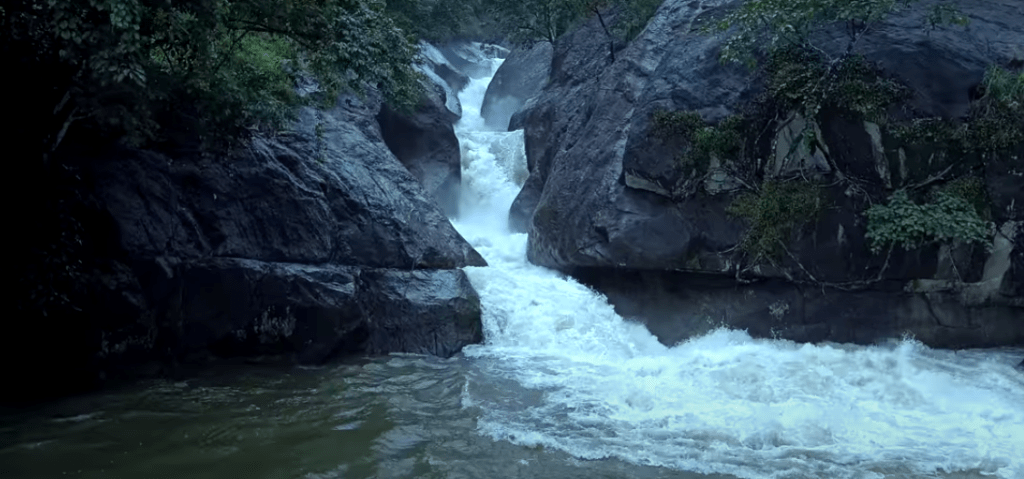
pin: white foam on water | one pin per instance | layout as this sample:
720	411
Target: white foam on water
720	403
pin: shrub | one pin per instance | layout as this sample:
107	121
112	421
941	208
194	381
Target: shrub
724	140
774	213
800	80
902	222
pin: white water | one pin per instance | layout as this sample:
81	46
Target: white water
724	402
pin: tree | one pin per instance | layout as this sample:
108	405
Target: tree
440	21
759	26
192	73
131	68
532	20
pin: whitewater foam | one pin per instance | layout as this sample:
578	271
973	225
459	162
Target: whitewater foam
720	403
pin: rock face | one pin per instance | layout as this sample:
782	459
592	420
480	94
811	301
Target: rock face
472	58
425	143
677	305
605	194
441	72
312	244
520	77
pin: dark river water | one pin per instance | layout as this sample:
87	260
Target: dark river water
403	416
395	417
562	388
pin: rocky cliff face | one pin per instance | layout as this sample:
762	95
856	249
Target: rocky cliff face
521	77
608	198
314	243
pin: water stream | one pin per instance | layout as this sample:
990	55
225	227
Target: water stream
562	388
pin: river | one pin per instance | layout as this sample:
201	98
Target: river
562	388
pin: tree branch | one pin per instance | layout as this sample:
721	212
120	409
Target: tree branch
933	178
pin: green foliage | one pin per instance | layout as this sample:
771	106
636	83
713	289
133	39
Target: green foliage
546	20
675	123
526	21
946	14
996	122
213	67
946	217
802	80
766	25
972	190
803	75
774	213
929	131
724	140
439	21
1004	88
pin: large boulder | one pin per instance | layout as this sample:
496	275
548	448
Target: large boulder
307	245
676	305
520	77
472	58
605	193
441	72
424	141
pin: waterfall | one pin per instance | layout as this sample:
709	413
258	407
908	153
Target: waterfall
581	379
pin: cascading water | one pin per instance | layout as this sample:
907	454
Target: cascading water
589	383
562	388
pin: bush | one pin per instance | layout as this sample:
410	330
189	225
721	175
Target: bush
947	217
724	140
801	80
774	213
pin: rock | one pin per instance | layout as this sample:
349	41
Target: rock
428	312
299	245
942	65
519	78
589	128
339	198
243	307
472	58
589	135
425	143
440	71
239	307
606	193
677	305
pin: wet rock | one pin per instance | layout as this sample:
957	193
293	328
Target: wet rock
472	58
676	305
429	312
590	143
236	307
605	192
425	142
441	72
298	245
339	197
519	78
